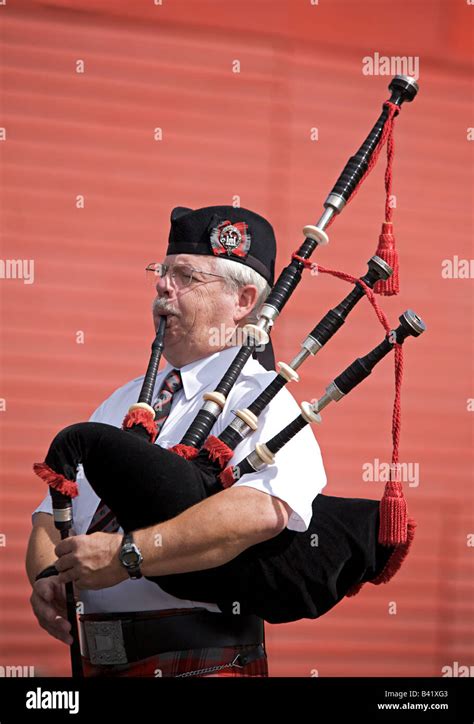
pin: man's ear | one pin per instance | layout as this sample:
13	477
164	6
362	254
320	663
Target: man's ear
248	296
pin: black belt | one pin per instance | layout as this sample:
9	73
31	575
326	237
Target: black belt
121	638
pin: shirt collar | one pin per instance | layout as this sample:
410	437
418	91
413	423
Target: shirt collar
199	374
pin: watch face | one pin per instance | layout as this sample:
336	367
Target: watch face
130	558
130	555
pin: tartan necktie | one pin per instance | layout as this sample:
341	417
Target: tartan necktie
103	519
172	383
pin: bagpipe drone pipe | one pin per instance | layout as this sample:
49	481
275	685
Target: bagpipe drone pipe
286	577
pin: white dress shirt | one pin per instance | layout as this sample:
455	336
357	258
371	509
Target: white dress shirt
296	477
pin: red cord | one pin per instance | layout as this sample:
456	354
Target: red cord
353	280
396	419
388	173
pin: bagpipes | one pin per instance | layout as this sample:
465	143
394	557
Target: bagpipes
349	542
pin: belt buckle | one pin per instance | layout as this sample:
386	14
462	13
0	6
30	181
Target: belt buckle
105	642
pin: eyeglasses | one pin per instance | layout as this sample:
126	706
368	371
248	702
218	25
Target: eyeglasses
180	275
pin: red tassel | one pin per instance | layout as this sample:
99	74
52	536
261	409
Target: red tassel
398	556
393	515
142	417
393	564
218	451
185	451
386	250
227	477
56	480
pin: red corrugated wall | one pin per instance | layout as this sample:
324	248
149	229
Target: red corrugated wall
245	136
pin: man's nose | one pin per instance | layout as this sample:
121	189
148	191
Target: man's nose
163	286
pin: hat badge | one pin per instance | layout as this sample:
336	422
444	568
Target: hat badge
232	239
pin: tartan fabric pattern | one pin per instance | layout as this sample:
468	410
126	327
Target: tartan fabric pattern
103	519
176	663
162	405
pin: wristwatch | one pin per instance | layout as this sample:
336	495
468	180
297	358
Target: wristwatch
130	556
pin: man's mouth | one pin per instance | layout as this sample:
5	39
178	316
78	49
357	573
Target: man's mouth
164	310
162	313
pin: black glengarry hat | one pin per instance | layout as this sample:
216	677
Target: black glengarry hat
227	232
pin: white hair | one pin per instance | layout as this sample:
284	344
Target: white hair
238	275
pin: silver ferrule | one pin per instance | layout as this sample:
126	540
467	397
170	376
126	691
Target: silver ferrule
325	218
212	407
309	346
240	426
255	462
62	515
321	403
332	394
266	316
334	202
299	359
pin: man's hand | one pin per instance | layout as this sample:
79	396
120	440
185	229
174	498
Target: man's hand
91	561
48	601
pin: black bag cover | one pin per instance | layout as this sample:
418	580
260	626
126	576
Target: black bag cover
289	577
295	575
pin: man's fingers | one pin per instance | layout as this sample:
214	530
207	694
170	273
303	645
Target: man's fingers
66	561
65	546
41	608
60	609
55	625
59	599
60	630
47	594
48	603
52	623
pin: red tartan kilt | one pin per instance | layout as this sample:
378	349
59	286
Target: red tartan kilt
175	663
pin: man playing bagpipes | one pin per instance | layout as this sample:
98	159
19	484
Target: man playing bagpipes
209	515
206	284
